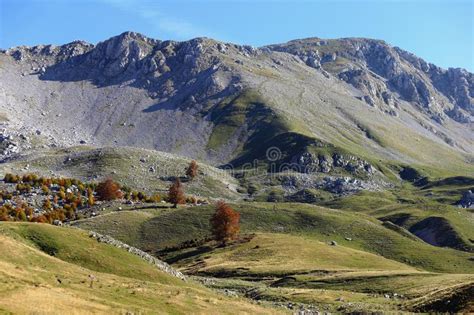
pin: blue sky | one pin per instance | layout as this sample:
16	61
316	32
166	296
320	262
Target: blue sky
441	32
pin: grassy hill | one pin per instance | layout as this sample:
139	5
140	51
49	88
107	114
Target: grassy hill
140	169
48	269
428	210
167	228
286	255
281	254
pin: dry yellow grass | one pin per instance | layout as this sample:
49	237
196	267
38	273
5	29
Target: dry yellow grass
33	282
283	253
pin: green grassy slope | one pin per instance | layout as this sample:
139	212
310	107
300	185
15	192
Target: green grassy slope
170	228
282	267
129	166
337	119
413	207
281	254
59	282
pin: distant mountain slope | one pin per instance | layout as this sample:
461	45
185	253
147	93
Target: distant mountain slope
226	103
140	169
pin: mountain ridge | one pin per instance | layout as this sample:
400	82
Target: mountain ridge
164	91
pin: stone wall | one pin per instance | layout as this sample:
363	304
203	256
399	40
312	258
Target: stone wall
150	259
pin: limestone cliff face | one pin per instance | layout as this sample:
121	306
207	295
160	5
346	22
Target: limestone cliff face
219	101
385	74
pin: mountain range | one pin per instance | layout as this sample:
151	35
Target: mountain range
220	102
347	165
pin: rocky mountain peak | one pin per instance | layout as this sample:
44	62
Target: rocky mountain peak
388	75
223	88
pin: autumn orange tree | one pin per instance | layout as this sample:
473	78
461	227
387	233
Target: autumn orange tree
176	193
108	190
4	216
47	204
192	170
225	223
90	197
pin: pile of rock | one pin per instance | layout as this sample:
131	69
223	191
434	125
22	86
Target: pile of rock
152	260
308	163
8	147
294	183
467	200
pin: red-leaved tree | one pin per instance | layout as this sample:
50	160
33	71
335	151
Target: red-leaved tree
176	193
109	190
225	223
192	170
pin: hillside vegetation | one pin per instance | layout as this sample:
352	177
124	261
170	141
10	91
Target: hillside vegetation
50	270
314	176
140	169
290	252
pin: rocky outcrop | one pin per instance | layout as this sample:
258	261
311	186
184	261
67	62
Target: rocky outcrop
295	183
150	259
467	200
385	75
307	162
7	146
455	83
165	68
13	142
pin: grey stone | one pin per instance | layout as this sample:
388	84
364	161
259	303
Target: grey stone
150	259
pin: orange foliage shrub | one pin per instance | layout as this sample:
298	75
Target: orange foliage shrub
10	178
109	190
4	214
40	219
176	193
47	205
45	189
90	200
192	170
225	223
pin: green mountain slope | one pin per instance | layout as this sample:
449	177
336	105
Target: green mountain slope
164	229
49	270
297	253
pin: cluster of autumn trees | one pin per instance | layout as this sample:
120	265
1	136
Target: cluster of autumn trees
60	202
64	196
176	195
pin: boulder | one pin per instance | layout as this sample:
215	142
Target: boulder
467	200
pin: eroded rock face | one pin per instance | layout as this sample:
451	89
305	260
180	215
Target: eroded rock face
164	68
467	200
296	184
307	162
386	75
